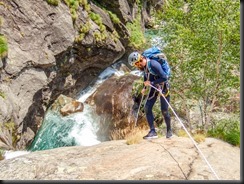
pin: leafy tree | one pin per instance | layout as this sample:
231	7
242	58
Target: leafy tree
203	47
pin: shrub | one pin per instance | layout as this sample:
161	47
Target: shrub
99	36
3	46
137	39
135	136
73	7
53	2
199	137
228	130
114	17
233	137
182	133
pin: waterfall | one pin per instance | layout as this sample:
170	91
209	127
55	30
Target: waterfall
76	129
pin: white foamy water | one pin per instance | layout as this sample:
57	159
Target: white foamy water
85	136
13	154
108	72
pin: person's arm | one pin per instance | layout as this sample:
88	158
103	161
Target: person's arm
157	68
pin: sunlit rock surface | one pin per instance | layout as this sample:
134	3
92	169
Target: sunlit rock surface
161	159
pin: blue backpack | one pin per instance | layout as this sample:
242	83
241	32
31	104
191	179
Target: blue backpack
156	54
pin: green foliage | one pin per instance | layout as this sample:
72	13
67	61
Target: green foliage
73	4
3	46
114	17
83	2
99	36
2	94
11	128
137	39
227	130
83	30
203	47
137	87
96	18
115	36
53	2
73	7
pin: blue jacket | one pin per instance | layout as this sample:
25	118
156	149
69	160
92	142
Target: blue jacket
160	76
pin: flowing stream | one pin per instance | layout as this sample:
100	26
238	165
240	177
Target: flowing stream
76	129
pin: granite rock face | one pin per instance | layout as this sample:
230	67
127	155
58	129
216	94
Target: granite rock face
51	53
160	159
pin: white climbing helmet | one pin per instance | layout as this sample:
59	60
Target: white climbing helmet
133	58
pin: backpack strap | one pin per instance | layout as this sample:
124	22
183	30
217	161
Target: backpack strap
165	65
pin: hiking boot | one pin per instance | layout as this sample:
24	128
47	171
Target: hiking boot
151	135
169	134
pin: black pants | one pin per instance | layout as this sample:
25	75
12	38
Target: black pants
152	97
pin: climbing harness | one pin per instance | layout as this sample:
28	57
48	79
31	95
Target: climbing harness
187	132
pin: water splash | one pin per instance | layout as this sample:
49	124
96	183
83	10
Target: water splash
107	73
13	154
76	129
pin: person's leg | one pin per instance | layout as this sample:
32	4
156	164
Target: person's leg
166	115
148	110
149	115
